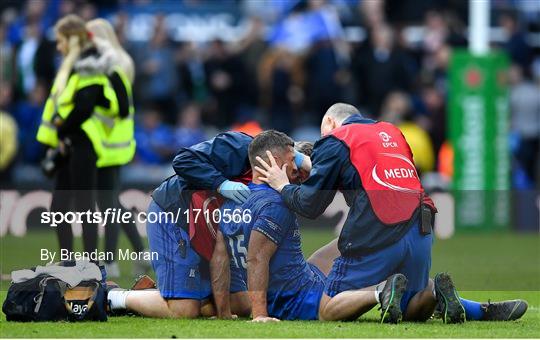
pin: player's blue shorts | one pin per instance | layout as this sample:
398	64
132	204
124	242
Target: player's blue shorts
303	305
180	272
299	305
410	256
238	280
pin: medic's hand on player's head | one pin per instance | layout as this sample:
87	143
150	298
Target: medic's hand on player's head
236	191
271	173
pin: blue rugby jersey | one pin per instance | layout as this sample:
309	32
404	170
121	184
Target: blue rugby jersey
294	288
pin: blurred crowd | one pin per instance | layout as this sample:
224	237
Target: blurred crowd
289	63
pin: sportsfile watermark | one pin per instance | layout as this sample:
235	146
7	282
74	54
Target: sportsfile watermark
118	216
110	215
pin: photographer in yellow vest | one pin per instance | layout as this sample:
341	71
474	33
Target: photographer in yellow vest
75	118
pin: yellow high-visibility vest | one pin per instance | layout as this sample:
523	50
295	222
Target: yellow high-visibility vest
119	141
62	104
111	135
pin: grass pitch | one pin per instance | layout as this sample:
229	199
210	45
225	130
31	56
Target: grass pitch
495	266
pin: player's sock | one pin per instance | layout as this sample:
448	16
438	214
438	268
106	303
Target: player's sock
377	291
117	298
473	309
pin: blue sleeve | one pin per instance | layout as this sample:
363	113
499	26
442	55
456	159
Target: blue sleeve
208	164
314	195
274	222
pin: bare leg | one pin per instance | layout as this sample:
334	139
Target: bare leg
240	304
324	257
150	303
207	308
347	305
422	305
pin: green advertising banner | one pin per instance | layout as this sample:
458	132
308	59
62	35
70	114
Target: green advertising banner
478	123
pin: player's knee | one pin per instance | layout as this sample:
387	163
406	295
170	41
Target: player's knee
184	309
329	313
323	316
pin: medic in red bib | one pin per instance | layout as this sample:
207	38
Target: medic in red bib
388	228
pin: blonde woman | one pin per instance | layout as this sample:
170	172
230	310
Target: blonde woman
71	130
119	67
113	56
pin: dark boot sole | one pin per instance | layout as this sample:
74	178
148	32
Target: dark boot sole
392	313
452	309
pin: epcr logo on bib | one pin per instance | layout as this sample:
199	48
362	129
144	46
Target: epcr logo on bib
386	140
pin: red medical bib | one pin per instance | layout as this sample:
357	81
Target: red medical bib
202	228
384	162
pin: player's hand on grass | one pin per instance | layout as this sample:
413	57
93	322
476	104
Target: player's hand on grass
265	319
272	174
236	191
